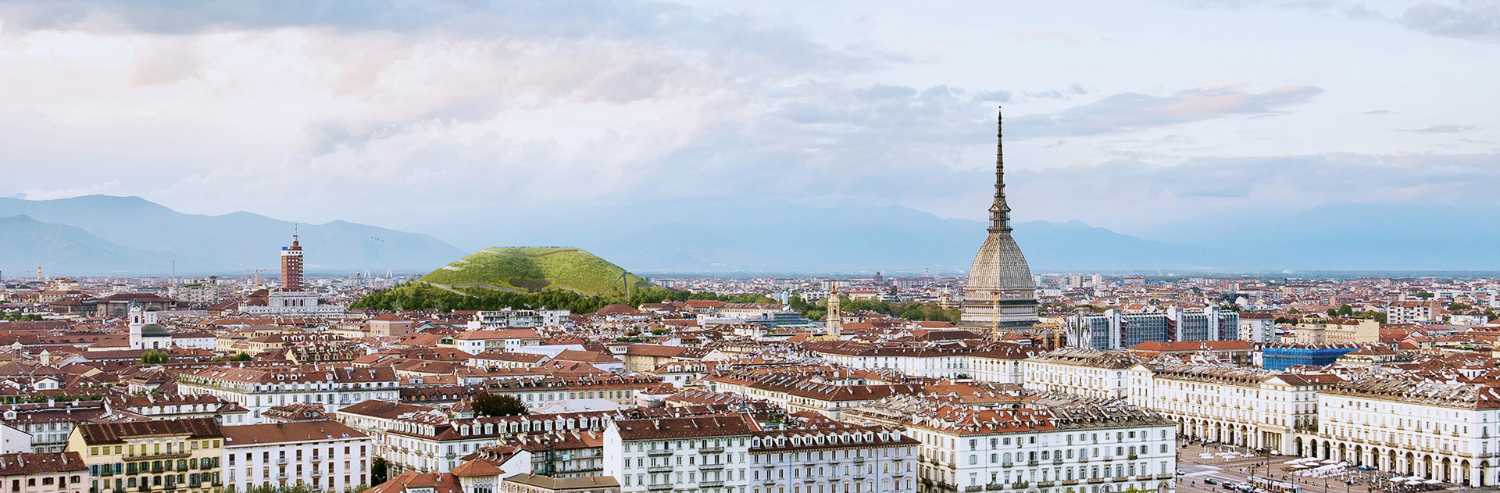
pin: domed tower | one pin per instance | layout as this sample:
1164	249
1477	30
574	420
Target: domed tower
999	293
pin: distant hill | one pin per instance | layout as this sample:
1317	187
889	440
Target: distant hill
534	269
236	242
26	243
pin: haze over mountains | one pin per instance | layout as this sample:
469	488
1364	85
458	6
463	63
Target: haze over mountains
99	234
129	235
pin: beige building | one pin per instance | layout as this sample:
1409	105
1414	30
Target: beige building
1338	331
180	455
51	472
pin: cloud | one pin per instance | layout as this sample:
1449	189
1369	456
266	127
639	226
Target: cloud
1224	189
1473	19
1445	129
1132	111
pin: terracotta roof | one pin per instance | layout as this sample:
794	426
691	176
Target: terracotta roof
26	463
97	433
698	426
304	431
476	469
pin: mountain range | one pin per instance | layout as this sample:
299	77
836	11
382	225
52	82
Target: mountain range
99	234
129	235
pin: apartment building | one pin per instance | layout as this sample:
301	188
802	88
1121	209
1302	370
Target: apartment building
1412	426
1054	444
44	472
835	457
261	388
708	454
181	455
989	362
1081	372
318	455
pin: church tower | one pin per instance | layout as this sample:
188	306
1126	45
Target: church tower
1000	293
139	319
835	316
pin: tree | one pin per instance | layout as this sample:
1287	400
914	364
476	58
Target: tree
487	404
378	471
241	357
154	357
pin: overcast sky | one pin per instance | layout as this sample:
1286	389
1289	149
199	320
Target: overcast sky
1122	114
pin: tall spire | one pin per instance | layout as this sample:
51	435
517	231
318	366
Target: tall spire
999	210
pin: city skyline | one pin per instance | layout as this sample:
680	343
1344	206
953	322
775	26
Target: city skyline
491	113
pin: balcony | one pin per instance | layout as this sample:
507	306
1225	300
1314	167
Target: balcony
1031	463
659	452
661	468
973	489
710	484
711	466
141	457
711	450
659	487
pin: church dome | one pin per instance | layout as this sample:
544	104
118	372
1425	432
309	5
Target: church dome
999	266
154	330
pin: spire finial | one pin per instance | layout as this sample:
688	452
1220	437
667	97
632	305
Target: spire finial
999	210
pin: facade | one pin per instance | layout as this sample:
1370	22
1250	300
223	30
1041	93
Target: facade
1115	329
291	266
707	454
1257	409
179	455
1446	431
838	457
259	389
320	455
1053	445
1079	372
997	363
1000	292
1338	331
1259	327
46	472
1413	312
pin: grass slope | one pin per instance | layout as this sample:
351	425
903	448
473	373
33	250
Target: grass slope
533	269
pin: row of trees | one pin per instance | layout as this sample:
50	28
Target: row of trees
909	311
423	296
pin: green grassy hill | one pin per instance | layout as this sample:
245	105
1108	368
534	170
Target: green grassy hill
533	269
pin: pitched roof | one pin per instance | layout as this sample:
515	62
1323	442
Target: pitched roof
303	431
117	432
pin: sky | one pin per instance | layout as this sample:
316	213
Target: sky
1127	115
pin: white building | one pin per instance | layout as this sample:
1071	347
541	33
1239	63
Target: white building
998	363
1080	372
304	303
1412	312
1251	408
261	388
1053	445
871	459
1446	431
321	455
707	454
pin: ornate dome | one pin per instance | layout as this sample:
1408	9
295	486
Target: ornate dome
999	266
